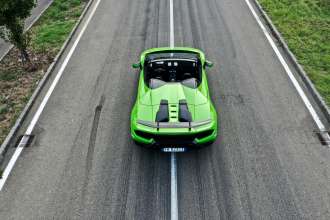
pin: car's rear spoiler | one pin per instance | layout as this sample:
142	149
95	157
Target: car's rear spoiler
193	124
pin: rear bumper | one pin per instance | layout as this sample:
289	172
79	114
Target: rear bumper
182	139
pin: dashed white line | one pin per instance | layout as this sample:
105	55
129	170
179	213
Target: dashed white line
36	116
171	25
174	183
174	188
294	81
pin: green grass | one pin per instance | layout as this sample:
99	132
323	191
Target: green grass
305	25
10	74
3	109
56	24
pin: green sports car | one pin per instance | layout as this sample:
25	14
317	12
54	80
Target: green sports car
173	106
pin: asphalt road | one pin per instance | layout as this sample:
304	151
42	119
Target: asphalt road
35	13
266	164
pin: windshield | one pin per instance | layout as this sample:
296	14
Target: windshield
161	68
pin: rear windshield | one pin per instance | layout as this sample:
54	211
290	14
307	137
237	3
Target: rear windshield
172	67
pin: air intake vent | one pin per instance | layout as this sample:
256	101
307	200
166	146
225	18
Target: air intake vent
184	114
162	114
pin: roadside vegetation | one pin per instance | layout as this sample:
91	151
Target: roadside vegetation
305	25
12	16
18	79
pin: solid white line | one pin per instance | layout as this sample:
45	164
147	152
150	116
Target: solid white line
171	25
174	188
36	117
307	103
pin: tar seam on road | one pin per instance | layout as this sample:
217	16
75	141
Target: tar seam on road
41	107
294	81
174	185
92	138
91	145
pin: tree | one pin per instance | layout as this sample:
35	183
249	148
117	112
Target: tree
12	16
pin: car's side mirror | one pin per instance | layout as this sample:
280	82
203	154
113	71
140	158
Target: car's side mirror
208	64
136	65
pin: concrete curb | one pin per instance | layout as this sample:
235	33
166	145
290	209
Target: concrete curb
309	85
27	28
7	142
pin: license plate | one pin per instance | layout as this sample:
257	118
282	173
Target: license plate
174	149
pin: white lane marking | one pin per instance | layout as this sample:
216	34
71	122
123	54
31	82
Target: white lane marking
174	182
174	188
294	81
171	25
36	116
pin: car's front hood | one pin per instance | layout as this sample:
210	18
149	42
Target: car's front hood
198	103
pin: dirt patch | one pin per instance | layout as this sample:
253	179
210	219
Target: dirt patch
17	82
